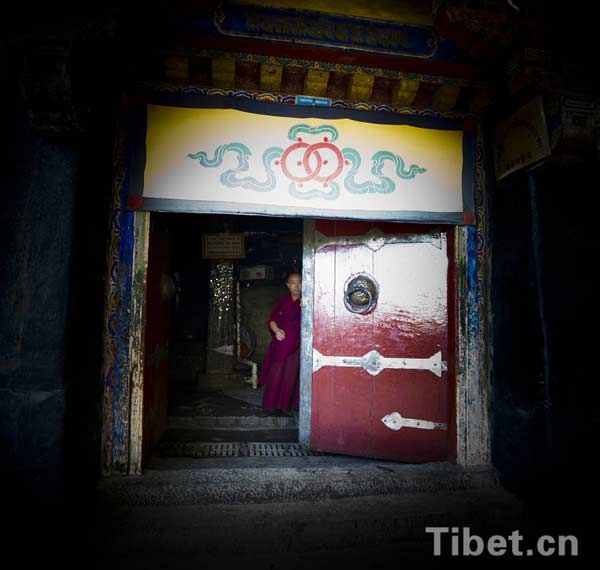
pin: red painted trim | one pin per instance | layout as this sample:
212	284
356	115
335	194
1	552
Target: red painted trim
469	125
135	202
452	346
469	218
136	97
330	55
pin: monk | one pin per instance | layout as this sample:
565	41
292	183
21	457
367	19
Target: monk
281	368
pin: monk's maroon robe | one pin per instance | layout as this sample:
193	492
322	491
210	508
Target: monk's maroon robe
281	368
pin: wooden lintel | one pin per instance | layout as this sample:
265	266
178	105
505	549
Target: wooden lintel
223	72
315	82
360	86
270	76
177	68
445	98
479	101
405	91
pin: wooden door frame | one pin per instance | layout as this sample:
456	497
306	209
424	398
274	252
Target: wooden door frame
125	305
471	370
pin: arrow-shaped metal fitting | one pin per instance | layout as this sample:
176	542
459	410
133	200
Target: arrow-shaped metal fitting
373	363
375	239
395	422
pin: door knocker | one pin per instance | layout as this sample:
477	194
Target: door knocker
360	294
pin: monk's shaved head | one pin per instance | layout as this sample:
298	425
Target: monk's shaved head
294	284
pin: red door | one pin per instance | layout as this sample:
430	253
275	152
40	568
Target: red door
381	386
156	337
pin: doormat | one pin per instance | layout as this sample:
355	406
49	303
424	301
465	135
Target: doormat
234	449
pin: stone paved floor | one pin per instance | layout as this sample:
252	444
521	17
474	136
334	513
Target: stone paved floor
273	513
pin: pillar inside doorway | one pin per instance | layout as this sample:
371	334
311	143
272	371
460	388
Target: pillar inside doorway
221	323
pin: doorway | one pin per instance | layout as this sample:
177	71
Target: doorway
125	351
206	335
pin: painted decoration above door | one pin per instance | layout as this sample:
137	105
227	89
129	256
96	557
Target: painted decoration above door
230	156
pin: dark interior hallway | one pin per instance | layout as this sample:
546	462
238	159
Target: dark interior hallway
202	399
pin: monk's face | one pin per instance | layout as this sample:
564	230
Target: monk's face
294	284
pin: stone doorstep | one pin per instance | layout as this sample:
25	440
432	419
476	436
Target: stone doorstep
232	422
338	506
287	528
188	486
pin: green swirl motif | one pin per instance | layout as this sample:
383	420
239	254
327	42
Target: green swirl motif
385	185
331	193
231	178
242	151
307	129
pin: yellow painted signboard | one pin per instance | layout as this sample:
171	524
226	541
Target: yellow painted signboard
522	140
223	246
230	160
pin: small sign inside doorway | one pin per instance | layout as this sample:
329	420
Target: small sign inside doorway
223	246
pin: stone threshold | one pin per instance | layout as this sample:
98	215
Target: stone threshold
232	422
195	485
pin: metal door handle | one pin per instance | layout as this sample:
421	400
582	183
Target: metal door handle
354	307
360	293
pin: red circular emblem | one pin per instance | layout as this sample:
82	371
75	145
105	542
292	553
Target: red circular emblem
314	166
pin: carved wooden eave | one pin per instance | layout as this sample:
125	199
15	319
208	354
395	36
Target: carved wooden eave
56	60
375	85
265	52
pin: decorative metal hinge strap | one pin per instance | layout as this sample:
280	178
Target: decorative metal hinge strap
395	422
375	239
374	363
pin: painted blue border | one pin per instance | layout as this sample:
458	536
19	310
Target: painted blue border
121	390
138	126
301	26
204	25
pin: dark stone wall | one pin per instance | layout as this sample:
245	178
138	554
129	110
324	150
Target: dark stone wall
56	178
517	367
36	225
545	466
85	323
